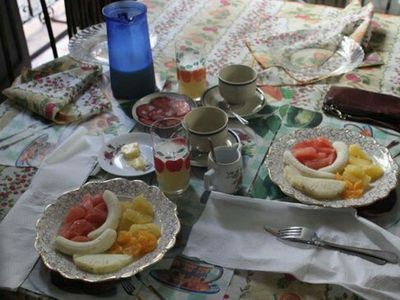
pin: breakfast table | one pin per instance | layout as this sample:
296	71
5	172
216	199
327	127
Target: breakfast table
223	25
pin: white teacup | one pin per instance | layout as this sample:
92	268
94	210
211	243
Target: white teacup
205	123
224	174
237	83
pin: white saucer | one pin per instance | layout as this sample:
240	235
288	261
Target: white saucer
255	103
112	161
200	159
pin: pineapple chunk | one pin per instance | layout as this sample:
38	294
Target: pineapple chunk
374	171
142	205
137	217
350	177
355	150
365	181
126	204
125	223
359	161
354	170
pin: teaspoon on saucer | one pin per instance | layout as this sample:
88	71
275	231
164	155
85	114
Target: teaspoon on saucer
226	107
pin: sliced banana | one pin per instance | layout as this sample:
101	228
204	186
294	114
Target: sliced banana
113	216
342	158
143	205
102	263
289	159
98	245
319	188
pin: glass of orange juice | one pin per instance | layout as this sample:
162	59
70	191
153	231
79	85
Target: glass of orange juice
191	67
171	153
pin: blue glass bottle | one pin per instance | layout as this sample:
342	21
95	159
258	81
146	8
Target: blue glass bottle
129	51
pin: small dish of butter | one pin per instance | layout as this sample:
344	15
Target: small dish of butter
128	155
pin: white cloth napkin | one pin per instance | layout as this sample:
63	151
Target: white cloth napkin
59	173
76	144
230	233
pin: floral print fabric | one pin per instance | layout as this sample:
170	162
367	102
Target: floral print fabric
315	52
62	91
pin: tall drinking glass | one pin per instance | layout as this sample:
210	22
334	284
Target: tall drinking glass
129	51
190	67
171	155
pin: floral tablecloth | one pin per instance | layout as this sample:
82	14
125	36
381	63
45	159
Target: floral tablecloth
223	26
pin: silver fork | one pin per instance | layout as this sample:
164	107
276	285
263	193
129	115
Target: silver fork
129	287
226	107
149	286
308	236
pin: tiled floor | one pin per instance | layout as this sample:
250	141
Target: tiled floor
37	36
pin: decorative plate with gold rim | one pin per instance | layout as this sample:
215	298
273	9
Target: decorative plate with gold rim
90	44
165	216
380	154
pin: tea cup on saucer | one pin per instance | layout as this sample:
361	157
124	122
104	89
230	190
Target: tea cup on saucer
237	83
204	123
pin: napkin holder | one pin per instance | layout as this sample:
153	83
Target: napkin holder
363	106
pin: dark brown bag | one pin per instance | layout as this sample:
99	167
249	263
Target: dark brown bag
363	106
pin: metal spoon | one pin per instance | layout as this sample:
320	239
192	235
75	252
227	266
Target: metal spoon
226	107
214	157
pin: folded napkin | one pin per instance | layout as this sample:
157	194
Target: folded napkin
62	91
328	48
363	106
230	233
56	175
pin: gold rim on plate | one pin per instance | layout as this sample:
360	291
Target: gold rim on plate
165	216
380	154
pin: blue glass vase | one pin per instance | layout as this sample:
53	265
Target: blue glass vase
129	51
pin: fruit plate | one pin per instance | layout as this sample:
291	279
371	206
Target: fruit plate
165	216
111	159
380	154
161	105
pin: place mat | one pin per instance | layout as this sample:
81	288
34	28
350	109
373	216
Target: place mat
42	281
18	256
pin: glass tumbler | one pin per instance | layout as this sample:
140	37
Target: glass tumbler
129	51
171	155
190	67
